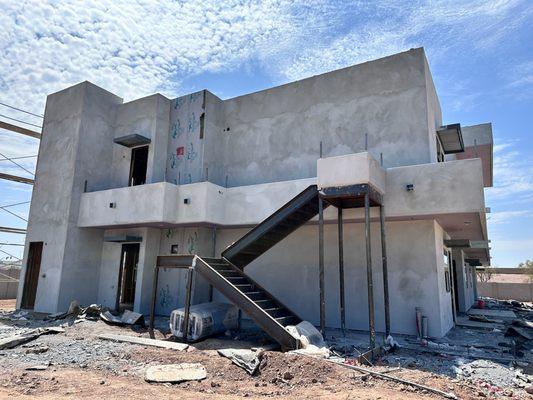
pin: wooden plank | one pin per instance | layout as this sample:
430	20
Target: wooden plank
144	341
19	179
18	129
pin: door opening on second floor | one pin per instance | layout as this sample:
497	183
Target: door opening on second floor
139	163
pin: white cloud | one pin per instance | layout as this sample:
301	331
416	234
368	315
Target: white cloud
130	48
502	217
134	48
443	27
513	175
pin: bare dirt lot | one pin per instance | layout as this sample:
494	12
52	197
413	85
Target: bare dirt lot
76	364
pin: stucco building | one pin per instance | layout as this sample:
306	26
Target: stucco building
119	184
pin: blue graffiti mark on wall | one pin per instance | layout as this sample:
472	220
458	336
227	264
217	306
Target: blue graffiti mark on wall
176	130
178	103
193	123
193	97
165	298
192	243
191	154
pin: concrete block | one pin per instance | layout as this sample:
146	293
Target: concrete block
350	169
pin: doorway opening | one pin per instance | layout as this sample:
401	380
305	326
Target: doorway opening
127	276
455	285
138	166
31	278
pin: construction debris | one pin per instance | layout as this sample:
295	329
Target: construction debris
205	319
126	318
393	378
175	373
13	341
144	341
39	367
311	340
246	359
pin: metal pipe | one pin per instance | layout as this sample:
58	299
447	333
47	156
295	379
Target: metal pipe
187	303
152	305
385	271
369	274
321	264
341	270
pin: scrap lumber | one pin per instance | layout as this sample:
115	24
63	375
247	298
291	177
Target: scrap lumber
396	379
18	129
144	341
14	178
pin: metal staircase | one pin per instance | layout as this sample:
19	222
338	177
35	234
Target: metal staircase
227	276
263	308
275	228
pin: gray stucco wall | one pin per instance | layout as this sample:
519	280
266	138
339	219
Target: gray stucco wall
290	271
78	122
275	134
185	141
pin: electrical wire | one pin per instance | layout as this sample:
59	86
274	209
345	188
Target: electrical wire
17	158
24	111
17	164
18	120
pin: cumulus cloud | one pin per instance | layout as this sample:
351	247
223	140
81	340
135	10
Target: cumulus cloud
129	47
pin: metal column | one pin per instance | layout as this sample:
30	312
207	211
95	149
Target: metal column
341	270
187	304
385	271
369	274
152	305
321	264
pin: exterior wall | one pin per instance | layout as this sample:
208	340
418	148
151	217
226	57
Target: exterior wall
445	315
148	117
77	125
440	188
275	134
8	288
413	280
185	140
506	291
172	282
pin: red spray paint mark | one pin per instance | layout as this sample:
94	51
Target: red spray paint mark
180	151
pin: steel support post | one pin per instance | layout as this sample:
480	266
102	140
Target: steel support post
321	264
152	305
369	274
385	271
187	304
341	270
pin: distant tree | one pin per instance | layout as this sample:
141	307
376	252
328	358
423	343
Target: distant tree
485	275
529	265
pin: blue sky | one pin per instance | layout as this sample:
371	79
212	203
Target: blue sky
480	53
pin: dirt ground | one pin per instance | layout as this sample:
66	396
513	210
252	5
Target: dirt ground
116	370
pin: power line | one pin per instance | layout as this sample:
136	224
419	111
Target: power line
17	158
10	255
18	120
11	244
12	213
14	204
17	164
19	109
